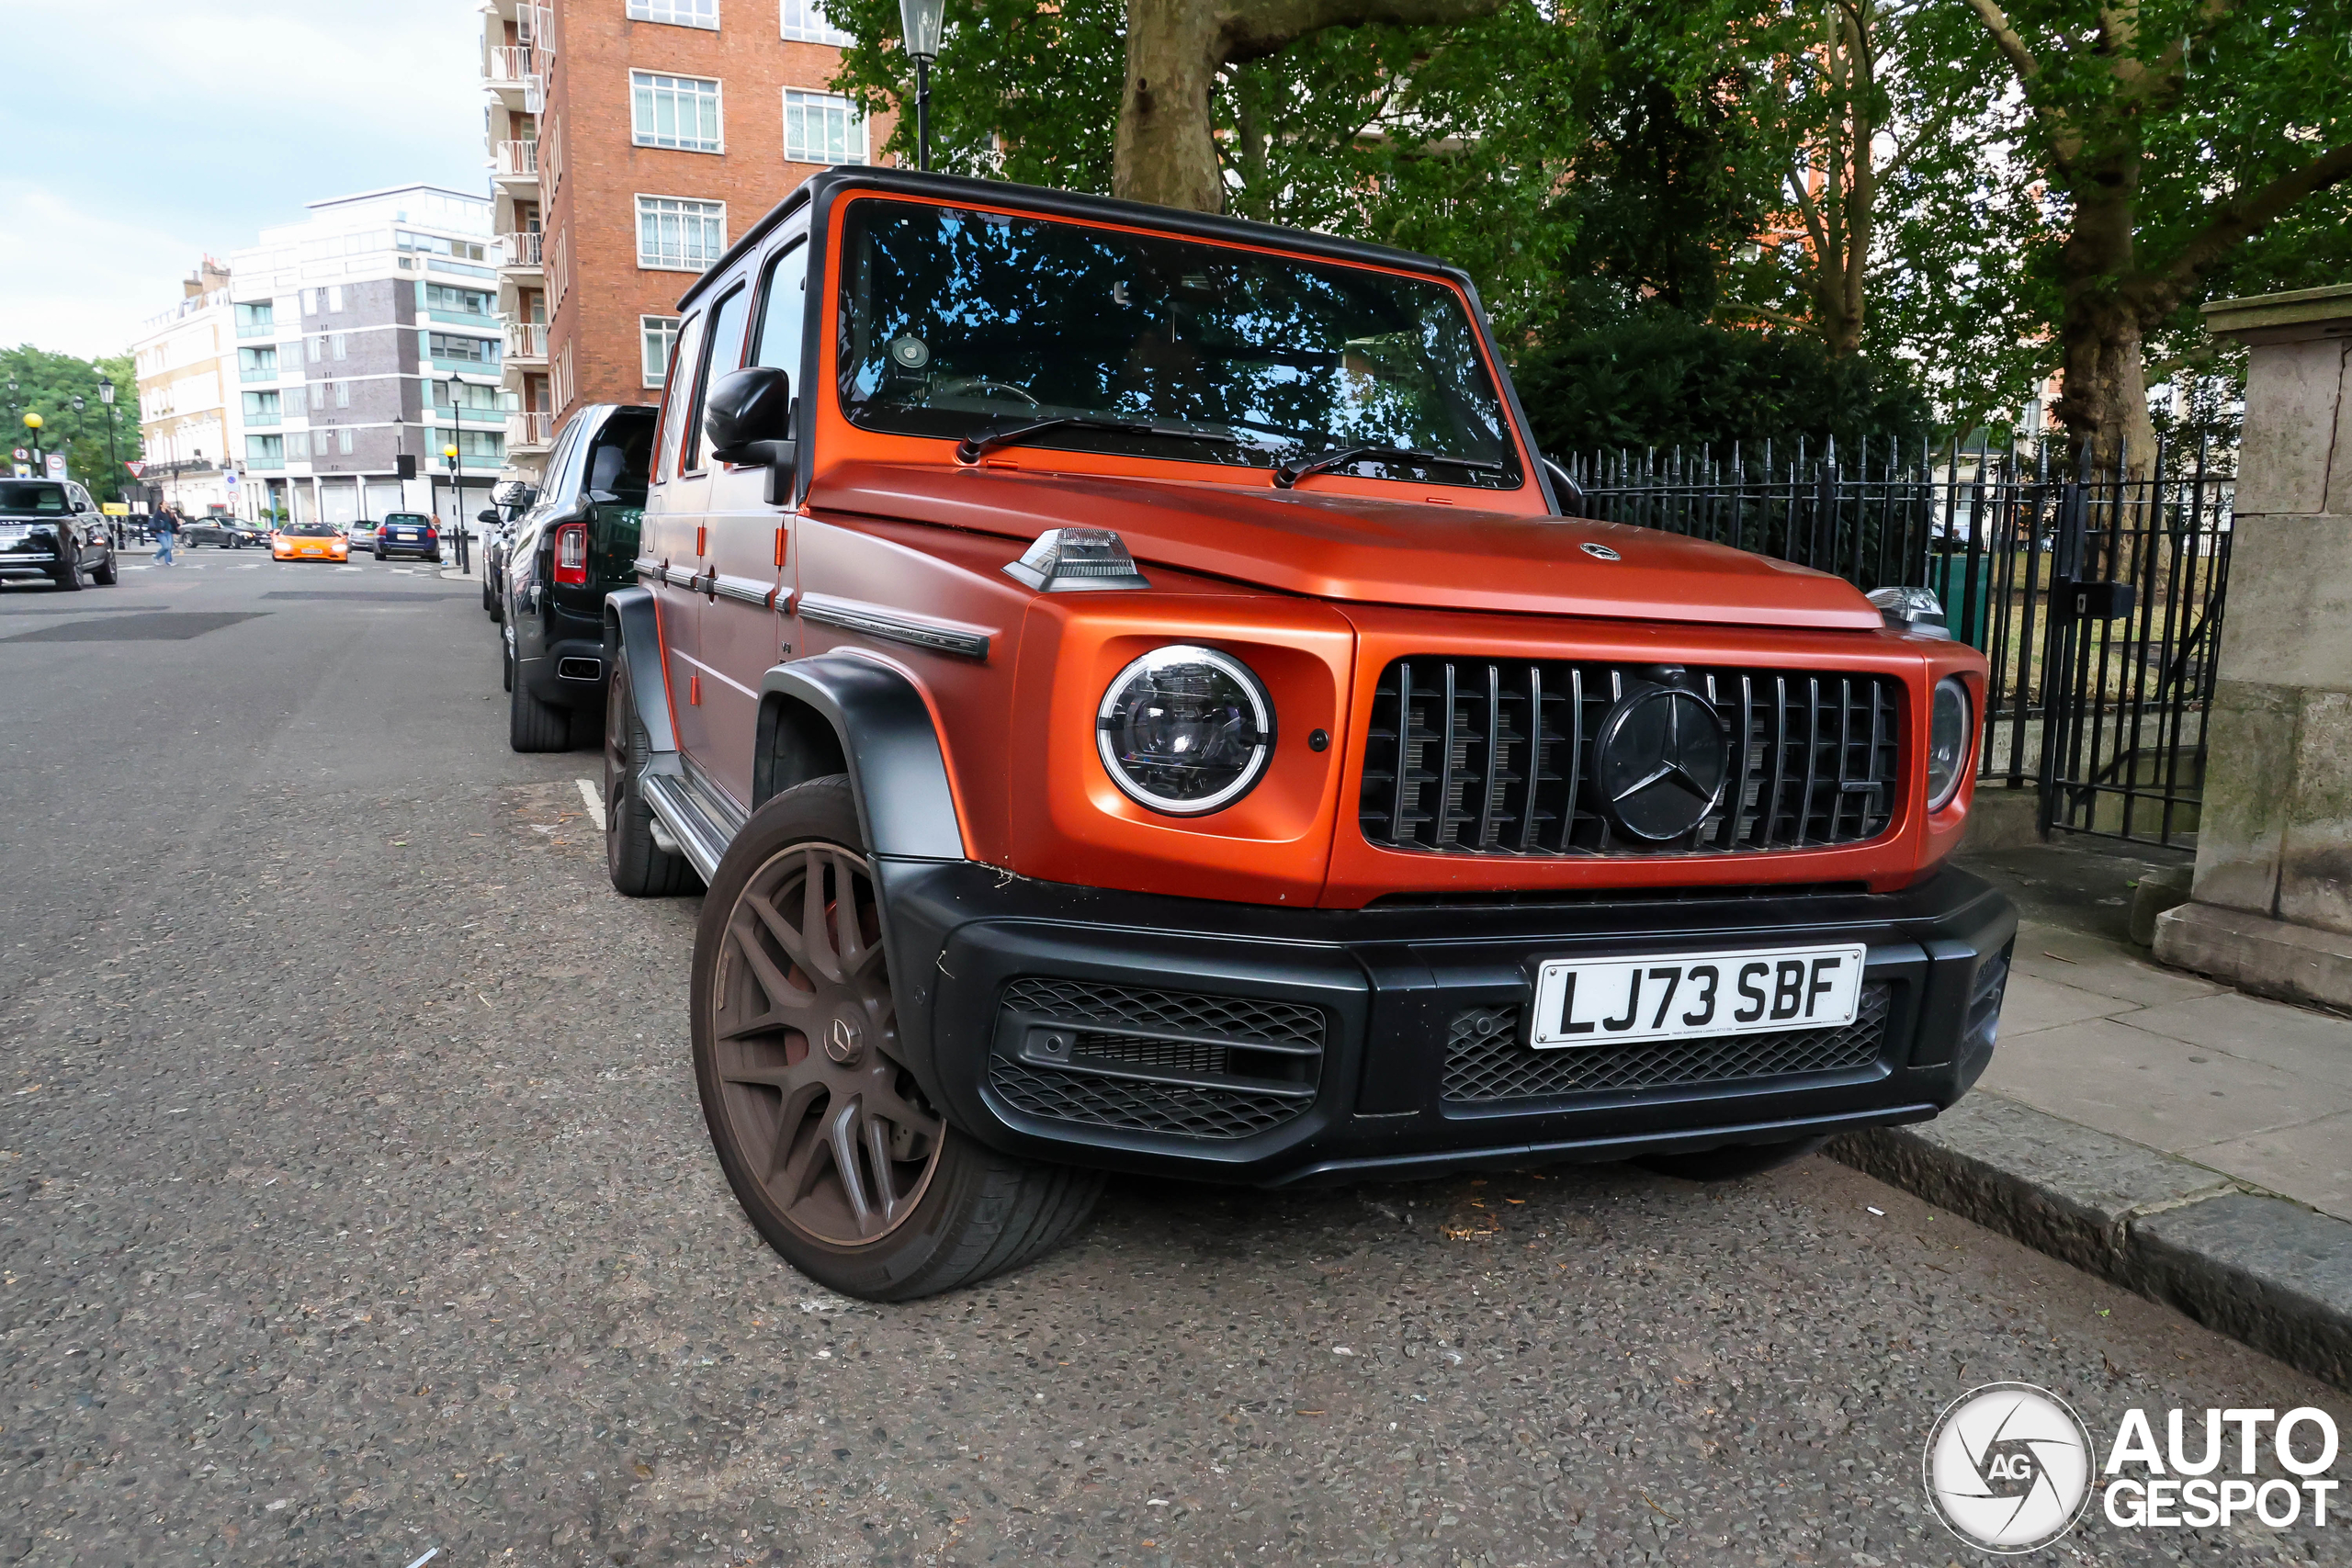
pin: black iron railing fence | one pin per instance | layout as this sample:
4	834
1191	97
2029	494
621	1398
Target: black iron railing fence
2097	597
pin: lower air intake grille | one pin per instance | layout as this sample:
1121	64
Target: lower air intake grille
1487	1059
1182	1062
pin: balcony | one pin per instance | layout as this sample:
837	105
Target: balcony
527	341
512	71
530	432
258	372
514	162
520	251
256	329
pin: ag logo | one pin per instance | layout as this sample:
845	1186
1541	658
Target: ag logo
2009	1467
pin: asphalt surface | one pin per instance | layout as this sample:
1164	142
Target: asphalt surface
357	1203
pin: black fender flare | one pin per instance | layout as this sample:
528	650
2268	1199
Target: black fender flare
888	744
633	632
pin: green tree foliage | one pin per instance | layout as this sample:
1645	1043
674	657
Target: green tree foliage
1672	381
47	384
2126	161
1450	140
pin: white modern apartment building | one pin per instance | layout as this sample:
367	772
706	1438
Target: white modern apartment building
363	335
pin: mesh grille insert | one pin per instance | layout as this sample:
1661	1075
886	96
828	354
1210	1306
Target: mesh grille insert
1487	1059
1233	1065
1467	756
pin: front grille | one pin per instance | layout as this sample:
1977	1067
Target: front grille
1487	1057
1477	757
1187	1064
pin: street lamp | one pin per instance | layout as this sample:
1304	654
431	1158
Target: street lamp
922	20
114	464
32	424
458	469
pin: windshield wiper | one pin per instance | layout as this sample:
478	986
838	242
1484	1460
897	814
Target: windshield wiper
973	446
1289	474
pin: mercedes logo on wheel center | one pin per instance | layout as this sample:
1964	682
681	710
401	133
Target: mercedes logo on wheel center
2009	1467
1662	761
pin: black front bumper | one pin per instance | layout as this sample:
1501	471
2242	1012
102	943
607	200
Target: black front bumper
1231	1041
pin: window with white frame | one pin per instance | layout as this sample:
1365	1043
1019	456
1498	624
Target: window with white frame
806	21
677	235
343	439
821	128
659	335
675	111
680	13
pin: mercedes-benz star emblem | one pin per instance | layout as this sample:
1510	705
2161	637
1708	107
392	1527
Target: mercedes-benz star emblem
841	1040
1662	763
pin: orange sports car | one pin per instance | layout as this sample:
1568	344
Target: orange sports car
309	541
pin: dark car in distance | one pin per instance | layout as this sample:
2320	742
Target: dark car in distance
407	534
228	533
50	528
575	543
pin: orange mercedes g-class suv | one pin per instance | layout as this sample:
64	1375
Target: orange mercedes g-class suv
1130	689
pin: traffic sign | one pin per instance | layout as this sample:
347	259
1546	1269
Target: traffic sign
57	465
137	469
23	455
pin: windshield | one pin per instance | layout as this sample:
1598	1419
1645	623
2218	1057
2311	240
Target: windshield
310	531
32	495
407	520
957	323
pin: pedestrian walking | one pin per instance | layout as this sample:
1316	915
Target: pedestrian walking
167	528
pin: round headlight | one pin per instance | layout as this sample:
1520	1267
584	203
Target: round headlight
1185	730
1948	738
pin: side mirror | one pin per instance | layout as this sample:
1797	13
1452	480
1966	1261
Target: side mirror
488	515
748	416
1569	492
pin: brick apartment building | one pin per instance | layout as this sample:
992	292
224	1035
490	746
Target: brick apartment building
631	142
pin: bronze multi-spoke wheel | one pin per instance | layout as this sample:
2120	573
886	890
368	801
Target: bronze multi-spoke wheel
806	1052
830	1143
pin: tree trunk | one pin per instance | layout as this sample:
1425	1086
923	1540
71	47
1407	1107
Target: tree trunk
1165	153
2103	398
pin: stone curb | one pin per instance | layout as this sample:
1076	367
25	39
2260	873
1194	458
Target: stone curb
2272	1274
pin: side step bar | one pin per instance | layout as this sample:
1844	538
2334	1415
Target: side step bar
698	819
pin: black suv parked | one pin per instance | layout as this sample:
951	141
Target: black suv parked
52	528
576	544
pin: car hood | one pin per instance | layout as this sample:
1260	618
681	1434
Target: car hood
1369	550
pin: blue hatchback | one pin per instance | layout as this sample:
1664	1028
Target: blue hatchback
407	534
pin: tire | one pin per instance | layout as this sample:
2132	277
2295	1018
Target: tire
380	553
532	725
69	578
640	868
920	1208
1732	1162
105	576
488	604
505	664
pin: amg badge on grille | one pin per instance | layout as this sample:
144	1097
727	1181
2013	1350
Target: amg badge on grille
1662	762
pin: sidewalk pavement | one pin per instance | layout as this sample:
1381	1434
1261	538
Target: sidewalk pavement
2153	1127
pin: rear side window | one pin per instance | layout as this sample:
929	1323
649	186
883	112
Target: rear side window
725	355
618	457
678	393
784	313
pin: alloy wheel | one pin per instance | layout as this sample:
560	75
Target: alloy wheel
830	1124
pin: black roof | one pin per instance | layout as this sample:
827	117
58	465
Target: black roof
821	187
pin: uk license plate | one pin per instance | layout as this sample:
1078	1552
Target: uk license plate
1615	1001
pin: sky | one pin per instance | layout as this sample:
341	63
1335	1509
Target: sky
143	134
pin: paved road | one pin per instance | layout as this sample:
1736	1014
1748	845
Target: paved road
357	1202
